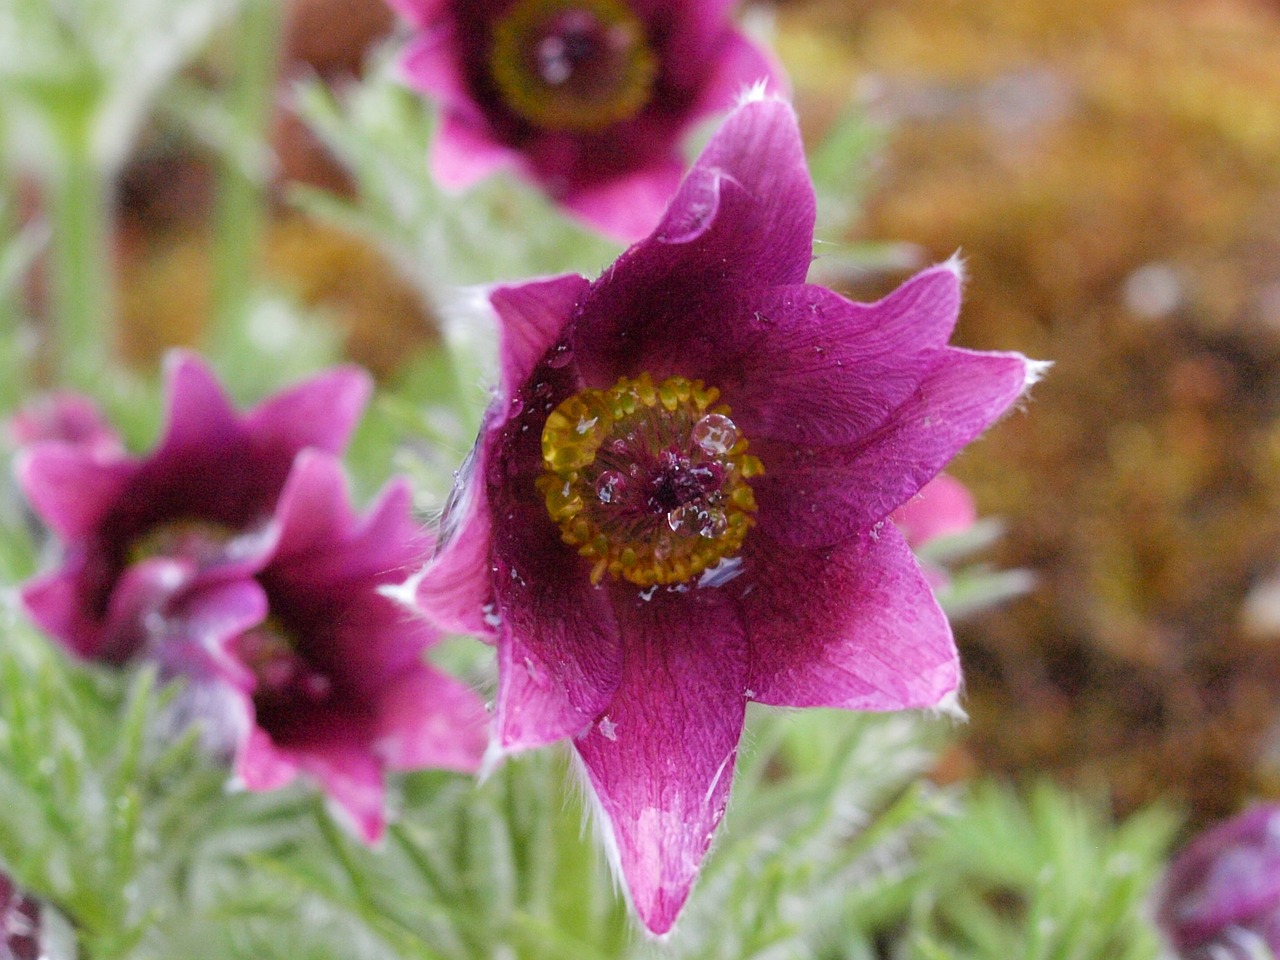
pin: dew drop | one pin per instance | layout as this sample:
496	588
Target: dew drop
561	356
517	406
610	486
677	518
712	523
715	434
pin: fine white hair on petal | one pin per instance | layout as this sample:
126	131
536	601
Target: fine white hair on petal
756	92
1036	369
956	264
596	820
949	707
405	592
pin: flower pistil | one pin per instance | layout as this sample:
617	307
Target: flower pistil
578	65
648	479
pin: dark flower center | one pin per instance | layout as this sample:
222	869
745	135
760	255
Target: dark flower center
650	480
281	672
201	541
578	65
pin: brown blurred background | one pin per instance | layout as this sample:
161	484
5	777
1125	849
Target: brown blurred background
1111	171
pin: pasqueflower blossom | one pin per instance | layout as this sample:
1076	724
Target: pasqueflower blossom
587	98
1221	897
324	672
138	530
679	500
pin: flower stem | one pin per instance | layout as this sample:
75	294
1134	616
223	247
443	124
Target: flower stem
241	210
82	282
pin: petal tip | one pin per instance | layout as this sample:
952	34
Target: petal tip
949	707
1035	372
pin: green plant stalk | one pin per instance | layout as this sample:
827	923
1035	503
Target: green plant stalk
241	208
83	277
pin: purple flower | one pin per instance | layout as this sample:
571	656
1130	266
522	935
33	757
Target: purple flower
19	923
321	670
1221	897
679	500
587	98
66	416
137	531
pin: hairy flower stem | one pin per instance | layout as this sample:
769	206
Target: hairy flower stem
241	210
83	282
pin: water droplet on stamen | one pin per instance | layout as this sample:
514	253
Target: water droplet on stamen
677	518
610	486
715	434
713	523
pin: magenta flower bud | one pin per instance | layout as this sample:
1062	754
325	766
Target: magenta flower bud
680	498
589	99
1220	899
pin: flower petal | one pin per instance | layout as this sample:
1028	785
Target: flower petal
70	488
854	626
742	220
455	589
462	153
661	758
739	66
533	315
765	212
559	656
259	765
630	206
943	506
429	719
817	496
353	781
200	415
418	12
320	412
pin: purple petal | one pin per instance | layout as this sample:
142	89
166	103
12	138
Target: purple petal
559	656
462	153
418	12
739	66
533	315
429	719
320	412
200	416
197	628
661	758
763	213
943	506
628	207
352	779
837	369
742	220
67	416
55	605
259	765
455	588
814	497
1227	877
70	488
854	626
